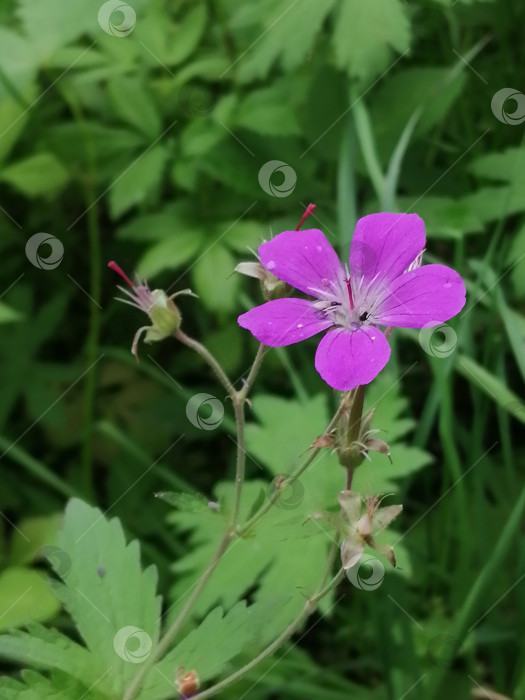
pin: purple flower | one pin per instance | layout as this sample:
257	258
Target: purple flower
384	285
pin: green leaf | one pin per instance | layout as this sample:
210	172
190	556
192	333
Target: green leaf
47	649
294	30
50	24
190	502
60	686
268	111
444	217
426	87
504	166
170	253
141	179
207	649
106	592
215	280
31	535
187	35
365	34
41	174
24	597
492	386
8	315
134	105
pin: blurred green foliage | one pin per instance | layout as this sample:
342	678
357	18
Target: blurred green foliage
141	136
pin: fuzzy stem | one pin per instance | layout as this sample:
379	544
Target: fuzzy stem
253	372
238	405
165	643
243	529
307	610
208	357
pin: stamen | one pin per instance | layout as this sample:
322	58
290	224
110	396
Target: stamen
309	210
349	287
113	265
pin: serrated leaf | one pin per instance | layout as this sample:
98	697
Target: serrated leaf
34	686
47	649
294	29
207	649
134	105
41	174
365	34
106	592
138	181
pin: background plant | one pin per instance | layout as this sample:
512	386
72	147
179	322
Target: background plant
147	147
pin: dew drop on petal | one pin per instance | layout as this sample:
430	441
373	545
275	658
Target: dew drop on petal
270	264
447	285
373	337
320	248
299	325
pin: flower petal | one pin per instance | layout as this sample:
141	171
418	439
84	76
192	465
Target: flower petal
283	321
422	298
303	259
347	358
384	245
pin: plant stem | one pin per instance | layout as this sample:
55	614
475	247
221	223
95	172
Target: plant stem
238	399
208	357
165	643
238	405
243	393
307	610
243	529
